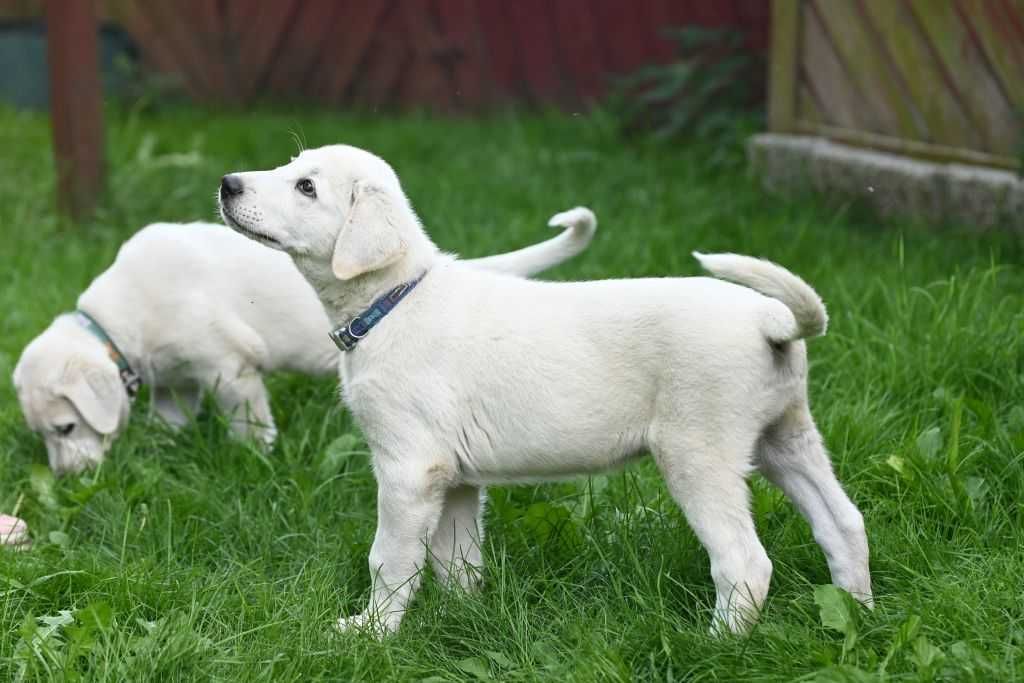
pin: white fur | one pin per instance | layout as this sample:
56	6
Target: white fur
196	308
478	378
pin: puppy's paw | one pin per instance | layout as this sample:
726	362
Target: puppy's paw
357	622
581	219
365	622
14	532
865	598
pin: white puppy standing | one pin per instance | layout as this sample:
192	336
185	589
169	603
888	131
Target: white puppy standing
471	378
194	308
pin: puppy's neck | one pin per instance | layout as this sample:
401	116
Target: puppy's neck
120	318
344	299
86	345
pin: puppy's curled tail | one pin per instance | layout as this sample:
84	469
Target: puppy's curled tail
778	283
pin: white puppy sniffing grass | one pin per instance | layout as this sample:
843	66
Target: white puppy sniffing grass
460	378
189	309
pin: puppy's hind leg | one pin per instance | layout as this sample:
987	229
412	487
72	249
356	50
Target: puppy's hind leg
175	405
244	401
455	546
791	455
706	472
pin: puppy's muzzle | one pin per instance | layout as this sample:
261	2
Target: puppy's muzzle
230	186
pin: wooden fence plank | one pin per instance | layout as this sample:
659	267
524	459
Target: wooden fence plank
258	42
158	52
208	29
379	80
1003	48
945	119
461	27
966	80
786	40
624	44
829	76
354	30
426	82
505	65
313	27
581	45
885	108
563	51
1002	114
537	50
656	15
76	107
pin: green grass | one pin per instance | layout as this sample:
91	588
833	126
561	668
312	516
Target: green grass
187	556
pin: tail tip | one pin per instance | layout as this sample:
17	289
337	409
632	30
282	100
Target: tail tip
579	218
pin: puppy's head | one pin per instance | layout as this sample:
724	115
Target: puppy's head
337	205
71	394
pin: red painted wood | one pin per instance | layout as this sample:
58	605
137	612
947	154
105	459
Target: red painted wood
530	21
157	50
753	17
439	53
166	22
76	103
626	47
427	81
292	69
207	26
657	14
355	27
259	40
504	52
581	43
460	25
379	81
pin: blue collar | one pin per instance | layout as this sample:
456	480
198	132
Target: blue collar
348	335
129	378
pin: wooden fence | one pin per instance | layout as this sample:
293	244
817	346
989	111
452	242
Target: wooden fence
445	54
939	79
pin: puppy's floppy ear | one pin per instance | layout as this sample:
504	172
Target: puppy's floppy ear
375	233
97	396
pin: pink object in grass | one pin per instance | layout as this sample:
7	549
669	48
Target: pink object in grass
13	531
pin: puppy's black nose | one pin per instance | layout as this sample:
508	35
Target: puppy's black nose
230	185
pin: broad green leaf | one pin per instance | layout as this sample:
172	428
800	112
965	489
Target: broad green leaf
897	463
838	612
976	488
59	538
925	654
500	659
475	666
96	615
929	442
1015	420
337	452
41	480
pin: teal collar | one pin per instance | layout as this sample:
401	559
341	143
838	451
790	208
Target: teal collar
129	378
348	335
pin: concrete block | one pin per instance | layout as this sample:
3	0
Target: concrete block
894	185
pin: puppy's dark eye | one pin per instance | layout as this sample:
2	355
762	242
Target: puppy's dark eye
306	187
64	429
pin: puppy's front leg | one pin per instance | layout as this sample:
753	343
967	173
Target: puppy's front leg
410	498
455	546
243	399
175	406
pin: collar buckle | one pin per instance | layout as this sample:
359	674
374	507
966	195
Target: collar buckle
131	381
343	339
346	336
